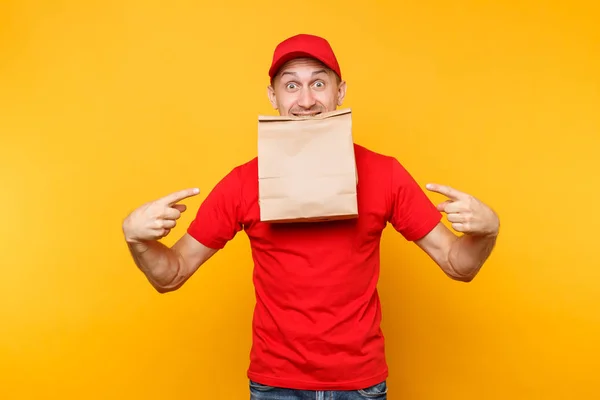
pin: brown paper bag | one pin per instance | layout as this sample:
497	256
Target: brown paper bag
306	168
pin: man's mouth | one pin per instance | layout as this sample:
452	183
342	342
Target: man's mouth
312	114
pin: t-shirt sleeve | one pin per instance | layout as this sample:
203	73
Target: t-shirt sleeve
219	216
412	213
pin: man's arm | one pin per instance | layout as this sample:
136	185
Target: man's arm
165	268
461	257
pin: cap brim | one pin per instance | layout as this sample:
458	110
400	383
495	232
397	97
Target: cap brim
290	56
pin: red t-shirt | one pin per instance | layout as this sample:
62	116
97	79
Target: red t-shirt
317	317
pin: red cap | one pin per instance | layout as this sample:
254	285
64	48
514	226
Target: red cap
304	45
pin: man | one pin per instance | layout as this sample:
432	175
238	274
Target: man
316	325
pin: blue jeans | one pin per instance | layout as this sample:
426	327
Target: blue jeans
263	392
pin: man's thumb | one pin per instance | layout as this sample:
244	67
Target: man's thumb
442	206
179	207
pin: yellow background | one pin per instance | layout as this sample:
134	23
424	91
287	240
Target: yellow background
105	105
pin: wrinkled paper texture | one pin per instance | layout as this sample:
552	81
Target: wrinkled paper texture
306	168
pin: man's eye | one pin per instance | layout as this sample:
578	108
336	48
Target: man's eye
319	84
291	86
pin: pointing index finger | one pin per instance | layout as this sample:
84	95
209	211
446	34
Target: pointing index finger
445	190
180	195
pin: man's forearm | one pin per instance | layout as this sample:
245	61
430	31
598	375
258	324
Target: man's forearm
158	262
468	254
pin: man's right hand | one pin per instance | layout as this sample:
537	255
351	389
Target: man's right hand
154	220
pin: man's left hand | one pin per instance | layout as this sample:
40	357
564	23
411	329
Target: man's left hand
466	213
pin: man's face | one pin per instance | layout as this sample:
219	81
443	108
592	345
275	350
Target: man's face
306	87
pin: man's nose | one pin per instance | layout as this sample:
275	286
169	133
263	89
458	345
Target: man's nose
306	98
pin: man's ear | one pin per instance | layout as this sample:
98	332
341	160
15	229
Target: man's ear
341	92
272	97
